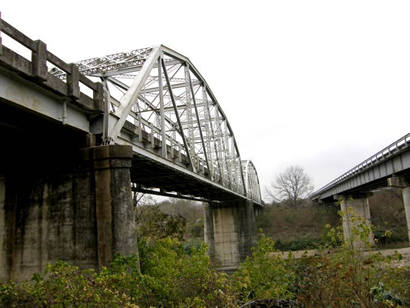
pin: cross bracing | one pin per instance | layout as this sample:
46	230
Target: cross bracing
160	92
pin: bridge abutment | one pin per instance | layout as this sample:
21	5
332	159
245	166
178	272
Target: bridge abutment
230	232
73	207
356	212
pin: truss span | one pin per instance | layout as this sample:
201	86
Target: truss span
252	181
160	102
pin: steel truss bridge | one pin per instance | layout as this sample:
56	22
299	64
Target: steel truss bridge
152	99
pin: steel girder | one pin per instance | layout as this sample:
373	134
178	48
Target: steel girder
160	92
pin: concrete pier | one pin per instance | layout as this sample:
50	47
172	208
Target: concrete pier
356	211
230	232
78	210
115	217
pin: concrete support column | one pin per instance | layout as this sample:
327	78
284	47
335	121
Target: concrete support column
356	210
230	232
115	217
404	184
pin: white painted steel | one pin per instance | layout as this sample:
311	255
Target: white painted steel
170	99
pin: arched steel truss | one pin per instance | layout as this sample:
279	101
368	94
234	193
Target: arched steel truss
160	92
252	181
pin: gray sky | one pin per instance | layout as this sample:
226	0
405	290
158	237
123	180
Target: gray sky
319	84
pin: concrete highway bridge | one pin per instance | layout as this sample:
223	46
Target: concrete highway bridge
388	168
79	139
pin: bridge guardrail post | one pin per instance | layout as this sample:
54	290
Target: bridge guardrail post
98	97
39	60
73	82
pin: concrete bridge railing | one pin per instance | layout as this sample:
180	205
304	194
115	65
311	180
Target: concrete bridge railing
39	70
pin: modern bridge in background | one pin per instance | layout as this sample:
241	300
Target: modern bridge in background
388	168
79	139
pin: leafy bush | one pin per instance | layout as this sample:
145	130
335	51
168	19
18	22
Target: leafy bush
63	285
264	275
347	277
169	278
184	278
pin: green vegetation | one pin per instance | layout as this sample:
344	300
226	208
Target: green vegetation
339	276
171	276
264	275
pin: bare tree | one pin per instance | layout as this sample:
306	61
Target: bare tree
291	185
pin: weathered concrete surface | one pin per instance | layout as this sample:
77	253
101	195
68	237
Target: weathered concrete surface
81	213
114	210
356	211
48	218
230	232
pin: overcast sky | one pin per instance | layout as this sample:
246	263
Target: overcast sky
319	84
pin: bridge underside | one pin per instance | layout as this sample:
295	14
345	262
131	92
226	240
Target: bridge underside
23	143
153	177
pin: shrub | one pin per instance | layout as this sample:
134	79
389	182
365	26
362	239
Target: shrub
347	277
63	285
264	275
169	278
184	278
